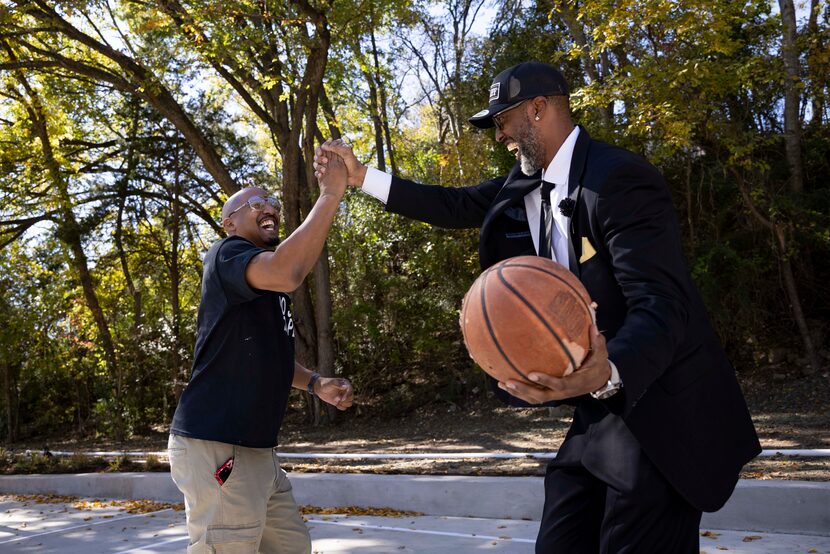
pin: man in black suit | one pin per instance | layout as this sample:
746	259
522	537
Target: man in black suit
661	429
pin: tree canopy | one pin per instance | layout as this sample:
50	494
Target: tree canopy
125	125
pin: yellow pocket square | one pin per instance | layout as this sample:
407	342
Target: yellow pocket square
588	251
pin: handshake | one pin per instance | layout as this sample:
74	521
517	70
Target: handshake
336	166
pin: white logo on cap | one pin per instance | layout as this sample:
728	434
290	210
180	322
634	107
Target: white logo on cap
481	113
494	91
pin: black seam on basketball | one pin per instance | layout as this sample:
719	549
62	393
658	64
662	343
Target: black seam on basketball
490	330
538	315
554	275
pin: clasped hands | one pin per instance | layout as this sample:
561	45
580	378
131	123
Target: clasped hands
327	167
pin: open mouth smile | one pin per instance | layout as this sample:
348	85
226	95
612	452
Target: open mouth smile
269	223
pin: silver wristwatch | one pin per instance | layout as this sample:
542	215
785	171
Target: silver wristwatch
613	385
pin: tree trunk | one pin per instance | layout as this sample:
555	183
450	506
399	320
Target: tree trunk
11	400
331	118
374	111
383	112
176	373
792	98
322	316
795	302
817	67
70	235
690	209
781	249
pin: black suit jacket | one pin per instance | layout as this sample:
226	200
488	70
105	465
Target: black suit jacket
681	401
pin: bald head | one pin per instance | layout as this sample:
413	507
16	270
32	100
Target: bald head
239	198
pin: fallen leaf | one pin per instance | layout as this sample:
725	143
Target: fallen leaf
357	511
750	538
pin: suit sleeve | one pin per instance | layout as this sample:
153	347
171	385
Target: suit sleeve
448	207
639	227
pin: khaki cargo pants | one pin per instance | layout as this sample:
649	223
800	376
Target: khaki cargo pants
253	511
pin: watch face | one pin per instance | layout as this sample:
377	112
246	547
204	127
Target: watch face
609	390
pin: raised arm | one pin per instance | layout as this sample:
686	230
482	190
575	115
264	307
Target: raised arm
284	269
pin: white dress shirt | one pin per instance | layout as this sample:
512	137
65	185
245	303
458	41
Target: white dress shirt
557	172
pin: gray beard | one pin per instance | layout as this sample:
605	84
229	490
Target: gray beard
532	152
529	167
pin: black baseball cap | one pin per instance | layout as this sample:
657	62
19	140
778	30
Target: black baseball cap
518	83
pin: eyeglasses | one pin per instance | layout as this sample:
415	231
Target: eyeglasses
257	203
498	119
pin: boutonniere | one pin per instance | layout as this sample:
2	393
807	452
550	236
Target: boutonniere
566	207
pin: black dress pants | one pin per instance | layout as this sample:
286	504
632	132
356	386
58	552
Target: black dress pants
584	515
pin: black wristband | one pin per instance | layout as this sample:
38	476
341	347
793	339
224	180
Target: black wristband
313	379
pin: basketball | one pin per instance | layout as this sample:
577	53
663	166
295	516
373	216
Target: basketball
527	314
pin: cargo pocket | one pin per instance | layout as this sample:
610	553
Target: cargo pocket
234	539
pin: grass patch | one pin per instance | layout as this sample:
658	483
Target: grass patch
23	463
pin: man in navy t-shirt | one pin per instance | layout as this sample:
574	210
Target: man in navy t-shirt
224	432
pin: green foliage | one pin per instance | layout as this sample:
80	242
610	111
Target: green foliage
27	462
694	86
121	464
396	320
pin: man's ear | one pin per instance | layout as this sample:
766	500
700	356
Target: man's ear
228	225
540	104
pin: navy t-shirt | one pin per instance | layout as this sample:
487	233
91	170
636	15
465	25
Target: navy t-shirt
243	364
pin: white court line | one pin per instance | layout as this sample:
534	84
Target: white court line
154	545
349	456
808	452
813	452
147	548
64	529
421	531
417	456
362	526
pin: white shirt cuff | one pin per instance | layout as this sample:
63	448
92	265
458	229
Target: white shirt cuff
377	183
615	375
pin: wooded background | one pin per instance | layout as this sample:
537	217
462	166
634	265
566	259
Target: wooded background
124	125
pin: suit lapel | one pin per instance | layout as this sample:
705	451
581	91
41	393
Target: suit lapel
516	186
579	161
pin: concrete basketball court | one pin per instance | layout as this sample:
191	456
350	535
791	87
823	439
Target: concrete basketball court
54	528
762	517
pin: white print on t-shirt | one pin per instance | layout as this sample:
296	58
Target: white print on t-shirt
286	317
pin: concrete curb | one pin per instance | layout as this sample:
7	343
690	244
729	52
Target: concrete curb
765	506
150	486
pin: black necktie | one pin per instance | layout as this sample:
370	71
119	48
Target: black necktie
546	221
